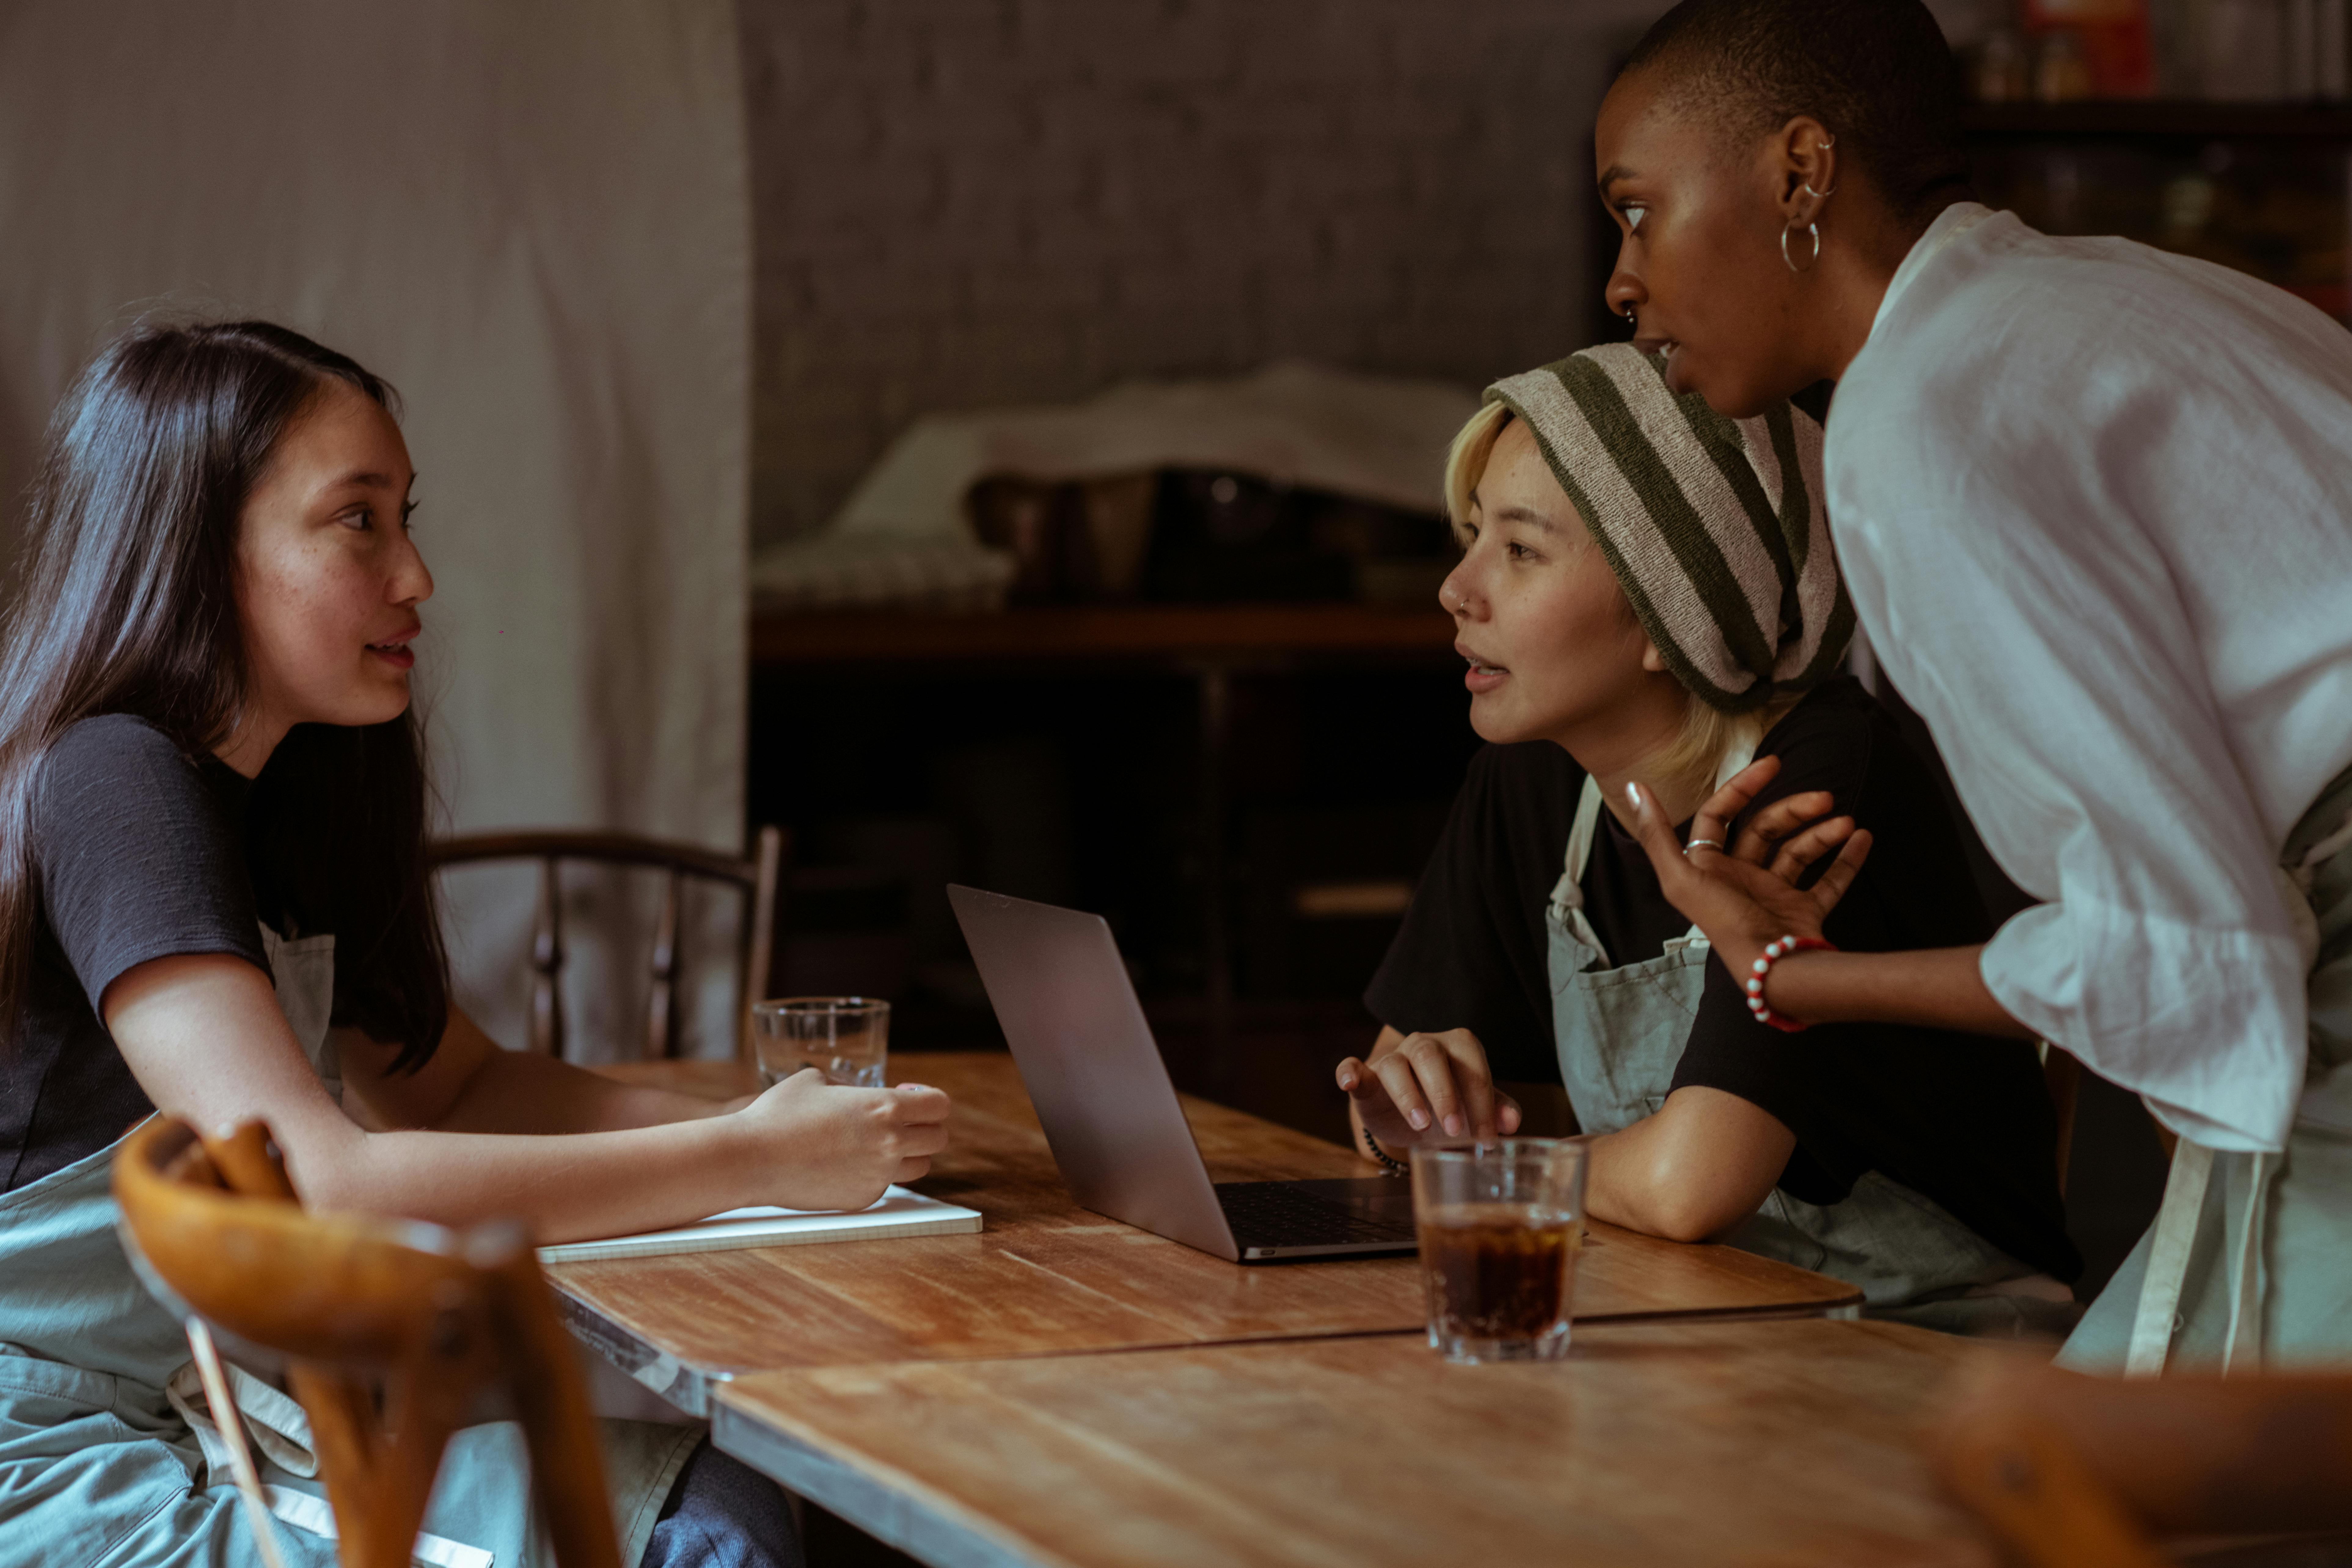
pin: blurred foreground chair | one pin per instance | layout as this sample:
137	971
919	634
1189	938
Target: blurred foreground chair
2086	1472
362	1306
759	877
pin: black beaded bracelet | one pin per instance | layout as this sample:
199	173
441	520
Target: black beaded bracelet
1380	1156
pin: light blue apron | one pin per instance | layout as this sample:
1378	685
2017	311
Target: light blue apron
2249	1264
1620	1033
108	1455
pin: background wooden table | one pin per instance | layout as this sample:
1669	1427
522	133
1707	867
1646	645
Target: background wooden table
1777	1443
1047	1277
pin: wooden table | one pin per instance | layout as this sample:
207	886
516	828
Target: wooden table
1047	1277
1777	1443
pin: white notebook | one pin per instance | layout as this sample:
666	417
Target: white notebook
898	1212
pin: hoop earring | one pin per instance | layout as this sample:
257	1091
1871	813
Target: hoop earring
1815	230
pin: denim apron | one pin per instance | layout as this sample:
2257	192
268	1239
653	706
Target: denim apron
110	1455
1620	1032
2249	1264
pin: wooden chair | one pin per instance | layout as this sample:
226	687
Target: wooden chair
362	1306
759	877
2085	1472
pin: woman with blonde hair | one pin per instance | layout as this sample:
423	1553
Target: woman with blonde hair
1647	592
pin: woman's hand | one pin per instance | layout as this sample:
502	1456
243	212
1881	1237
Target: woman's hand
833	1147
1748	896
1428	1086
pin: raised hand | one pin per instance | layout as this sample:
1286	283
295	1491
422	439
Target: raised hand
1745	894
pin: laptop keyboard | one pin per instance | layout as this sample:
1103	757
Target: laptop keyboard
1279	1214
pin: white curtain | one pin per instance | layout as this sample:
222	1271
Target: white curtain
533	219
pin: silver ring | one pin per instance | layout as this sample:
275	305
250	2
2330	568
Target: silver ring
1707	843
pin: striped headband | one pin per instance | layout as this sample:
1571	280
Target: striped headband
1714	527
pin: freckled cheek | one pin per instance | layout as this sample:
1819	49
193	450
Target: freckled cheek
307	614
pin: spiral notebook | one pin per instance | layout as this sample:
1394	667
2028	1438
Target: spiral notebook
898	1212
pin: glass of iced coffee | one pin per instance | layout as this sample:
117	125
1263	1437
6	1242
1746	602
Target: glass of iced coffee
1500	1227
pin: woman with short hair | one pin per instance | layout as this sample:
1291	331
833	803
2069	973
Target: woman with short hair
2096	505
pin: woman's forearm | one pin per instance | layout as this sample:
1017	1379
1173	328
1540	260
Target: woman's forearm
1938	988
591	1184
518	1091
1694	1168
208	1043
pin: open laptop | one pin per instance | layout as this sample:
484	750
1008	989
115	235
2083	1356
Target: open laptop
1117	1130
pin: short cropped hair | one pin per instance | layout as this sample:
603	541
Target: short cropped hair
1876	73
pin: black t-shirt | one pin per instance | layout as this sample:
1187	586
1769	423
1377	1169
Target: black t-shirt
140	855
1962	1118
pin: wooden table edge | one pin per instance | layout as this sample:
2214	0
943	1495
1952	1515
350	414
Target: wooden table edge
896	1505
886	1500
690	1386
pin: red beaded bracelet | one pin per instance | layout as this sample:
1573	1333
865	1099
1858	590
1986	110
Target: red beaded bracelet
1774	951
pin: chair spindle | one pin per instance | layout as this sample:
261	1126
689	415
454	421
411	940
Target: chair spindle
661	1017
547	962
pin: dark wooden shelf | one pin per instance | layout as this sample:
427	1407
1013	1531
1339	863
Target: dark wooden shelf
2186	119
1169	633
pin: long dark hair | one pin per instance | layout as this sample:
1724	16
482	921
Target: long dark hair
126	603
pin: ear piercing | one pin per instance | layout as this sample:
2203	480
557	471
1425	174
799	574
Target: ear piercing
1827	143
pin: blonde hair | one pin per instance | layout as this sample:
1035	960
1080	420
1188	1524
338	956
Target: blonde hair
1466	460
1685	765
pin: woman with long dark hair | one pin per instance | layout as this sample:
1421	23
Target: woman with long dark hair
2095	505
215	904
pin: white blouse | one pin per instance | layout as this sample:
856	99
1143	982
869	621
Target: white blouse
2095	505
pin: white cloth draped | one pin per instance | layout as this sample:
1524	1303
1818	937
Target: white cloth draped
532	218
2095	506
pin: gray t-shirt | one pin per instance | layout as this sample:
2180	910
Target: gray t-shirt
140	854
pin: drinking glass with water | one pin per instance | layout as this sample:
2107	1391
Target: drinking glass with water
1500	1226
848	1038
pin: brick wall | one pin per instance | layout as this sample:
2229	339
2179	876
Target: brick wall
969	201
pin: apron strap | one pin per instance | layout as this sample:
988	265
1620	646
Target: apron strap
229	1438
2167	1259
2243	1351
1569	896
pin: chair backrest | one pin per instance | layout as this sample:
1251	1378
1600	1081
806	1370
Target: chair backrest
759	877
363	1307
2084	1471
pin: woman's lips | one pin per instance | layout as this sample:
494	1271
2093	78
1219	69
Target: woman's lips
396	654
1482	676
